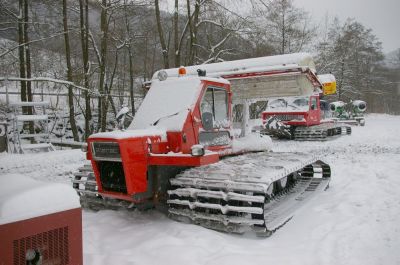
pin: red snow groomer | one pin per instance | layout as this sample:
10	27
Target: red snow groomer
304	117
182	155
300	118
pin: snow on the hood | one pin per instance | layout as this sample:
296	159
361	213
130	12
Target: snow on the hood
22	197
122	134
251	143
247	65
167	104
216	79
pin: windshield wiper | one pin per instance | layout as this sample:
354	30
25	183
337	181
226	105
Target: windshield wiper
165	117
293	106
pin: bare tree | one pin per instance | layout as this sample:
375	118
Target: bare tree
216	29
130	58
161	35
286	27
84	33
396	58
69	74
25	58
21	49
193	29
176	34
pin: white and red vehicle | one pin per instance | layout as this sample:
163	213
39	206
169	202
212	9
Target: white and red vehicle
305	117
300	118
180	154
266	81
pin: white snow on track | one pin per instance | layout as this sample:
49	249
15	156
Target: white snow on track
356	221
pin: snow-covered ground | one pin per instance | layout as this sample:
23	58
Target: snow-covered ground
356	221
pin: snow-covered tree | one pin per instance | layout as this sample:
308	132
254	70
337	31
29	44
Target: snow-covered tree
352	53
286	28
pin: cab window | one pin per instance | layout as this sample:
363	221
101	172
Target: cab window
215	101
314	103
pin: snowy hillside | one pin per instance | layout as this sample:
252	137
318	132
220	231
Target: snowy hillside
356	221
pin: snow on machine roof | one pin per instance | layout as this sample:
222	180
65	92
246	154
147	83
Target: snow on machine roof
247	65
326	78
22	198
259	78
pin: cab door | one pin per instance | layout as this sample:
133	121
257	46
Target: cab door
214	110
314	113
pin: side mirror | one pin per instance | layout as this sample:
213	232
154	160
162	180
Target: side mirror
122	112
207	120
121	117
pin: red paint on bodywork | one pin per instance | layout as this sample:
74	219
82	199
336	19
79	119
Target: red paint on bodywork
183	160
311	117
57	236
138	153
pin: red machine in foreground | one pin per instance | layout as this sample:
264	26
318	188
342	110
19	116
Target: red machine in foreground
40	223
180	154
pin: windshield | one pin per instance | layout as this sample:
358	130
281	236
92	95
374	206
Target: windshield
167	104
289	103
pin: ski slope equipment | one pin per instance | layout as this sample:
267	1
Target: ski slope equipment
351	113
181	156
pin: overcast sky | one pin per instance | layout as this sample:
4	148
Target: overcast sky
382	16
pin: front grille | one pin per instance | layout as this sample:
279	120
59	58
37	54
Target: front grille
112	176
106	151
214	138
51	245
289	117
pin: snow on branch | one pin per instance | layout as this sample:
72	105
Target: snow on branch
95	47
211	22
213	48
216	58
48	79
32	41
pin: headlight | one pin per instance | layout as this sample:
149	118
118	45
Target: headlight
197	150
84	147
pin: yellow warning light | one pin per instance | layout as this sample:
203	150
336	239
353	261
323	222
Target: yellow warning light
329	88
328	82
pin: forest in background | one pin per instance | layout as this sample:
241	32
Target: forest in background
100	52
